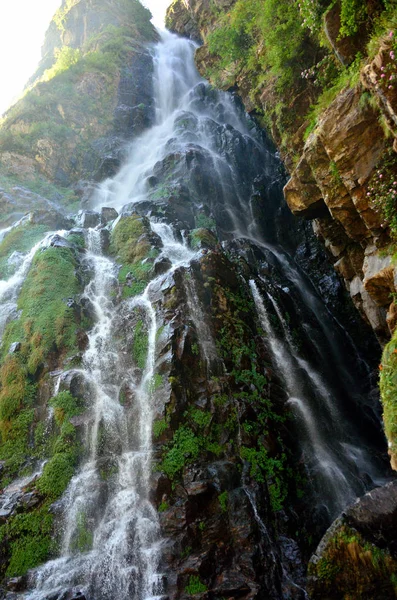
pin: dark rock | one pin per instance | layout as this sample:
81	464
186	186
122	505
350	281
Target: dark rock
14	347
16	584
160	486
75	383
29	500
108	214
375	516
162	266
88	218
58	241
105	240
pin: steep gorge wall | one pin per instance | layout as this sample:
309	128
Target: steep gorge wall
232	484
340	155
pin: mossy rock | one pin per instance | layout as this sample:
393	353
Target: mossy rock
388	390
347	566
202	238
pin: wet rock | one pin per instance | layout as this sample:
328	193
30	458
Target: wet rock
14	347
88	218
105	240
108	214
162	266
74	382
58	241
29	500
160	486
375	516
356	557
16	584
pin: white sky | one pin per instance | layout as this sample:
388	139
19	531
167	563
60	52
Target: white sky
23	24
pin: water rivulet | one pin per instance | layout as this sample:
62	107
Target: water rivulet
228	416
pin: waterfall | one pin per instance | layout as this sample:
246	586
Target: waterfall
121	555
334	464
10	288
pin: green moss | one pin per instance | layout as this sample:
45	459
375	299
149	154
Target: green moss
46	323
202	237
205	222
125	239
351	567
57	473
131	247
30	541
163	507
223	499
388	390
20	239
83	539
156	383
140	345
184	449
195	586
159	427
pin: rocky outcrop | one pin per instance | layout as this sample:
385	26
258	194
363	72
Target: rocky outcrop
332	177
195	18
357	555
73	122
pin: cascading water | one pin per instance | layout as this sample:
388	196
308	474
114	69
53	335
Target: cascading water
10	288
120	556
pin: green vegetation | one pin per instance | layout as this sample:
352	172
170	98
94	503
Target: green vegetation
20	239
205	222
223	499
159	427
29	535
29	539
191	441
195	586
352	567
39	185
202	238
66	57
382	189
45	325
84	537
130	244
59	115
286	78
140	345
388	390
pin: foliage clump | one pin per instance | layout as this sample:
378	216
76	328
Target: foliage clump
46	326
388	390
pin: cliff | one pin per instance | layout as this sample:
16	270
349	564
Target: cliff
328	97
89	94
187	394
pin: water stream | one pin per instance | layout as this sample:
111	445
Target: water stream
120	555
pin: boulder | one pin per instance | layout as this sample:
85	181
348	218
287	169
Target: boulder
108	214
357	556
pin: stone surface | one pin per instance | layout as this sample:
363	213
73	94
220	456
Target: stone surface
108	214
357	554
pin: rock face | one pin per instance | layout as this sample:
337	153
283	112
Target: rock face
344	172
187	365
83	104
332	177
358	550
